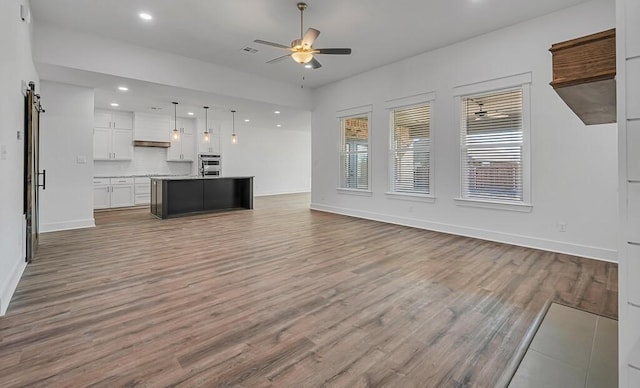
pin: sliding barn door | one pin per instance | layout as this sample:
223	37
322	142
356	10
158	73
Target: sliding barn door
32	174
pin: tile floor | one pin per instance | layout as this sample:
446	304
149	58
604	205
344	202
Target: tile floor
572	348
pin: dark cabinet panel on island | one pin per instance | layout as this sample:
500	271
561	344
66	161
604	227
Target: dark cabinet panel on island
184	196
173	196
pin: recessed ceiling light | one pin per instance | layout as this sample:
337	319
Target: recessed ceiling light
114	104
190	113
145	16
123	88
246	120
278	125
276	112
308	66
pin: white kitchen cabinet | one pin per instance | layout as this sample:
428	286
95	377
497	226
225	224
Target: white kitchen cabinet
112	119
209	147
182	149
122	195
112	135
112	144
113	192
186	125
101	193
142	190
101	119
122	144
102	143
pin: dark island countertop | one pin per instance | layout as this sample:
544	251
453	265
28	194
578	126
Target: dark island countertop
173	196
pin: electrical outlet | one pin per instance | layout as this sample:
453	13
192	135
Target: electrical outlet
81	159
3	152
562	226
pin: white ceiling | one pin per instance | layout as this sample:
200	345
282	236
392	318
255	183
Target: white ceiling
378	31
142	96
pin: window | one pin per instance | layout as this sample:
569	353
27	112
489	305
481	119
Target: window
411	150
493	146
354	155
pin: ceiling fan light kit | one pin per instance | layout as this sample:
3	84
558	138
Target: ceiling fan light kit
302	50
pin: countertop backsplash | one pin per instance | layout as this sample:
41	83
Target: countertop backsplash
146	160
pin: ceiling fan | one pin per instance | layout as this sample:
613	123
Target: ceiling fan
481	113
302	50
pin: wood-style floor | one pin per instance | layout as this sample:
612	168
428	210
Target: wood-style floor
280	296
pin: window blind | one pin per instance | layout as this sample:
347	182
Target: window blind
410	150
354	158
492	143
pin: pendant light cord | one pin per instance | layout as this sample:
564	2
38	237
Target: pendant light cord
233	121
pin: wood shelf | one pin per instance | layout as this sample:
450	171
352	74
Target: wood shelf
584	71
147	143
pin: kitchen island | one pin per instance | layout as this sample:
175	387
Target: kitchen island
177	196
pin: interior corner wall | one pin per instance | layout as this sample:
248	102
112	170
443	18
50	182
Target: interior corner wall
16	67
66	153
574	167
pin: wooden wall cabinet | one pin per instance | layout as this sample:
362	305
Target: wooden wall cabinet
584	76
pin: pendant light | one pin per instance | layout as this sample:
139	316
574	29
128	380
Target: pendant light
207	139
175	133
234	138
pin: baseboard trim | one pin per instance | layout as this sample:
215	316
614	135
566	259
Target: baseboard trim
67	225
266	194
589	252
7	290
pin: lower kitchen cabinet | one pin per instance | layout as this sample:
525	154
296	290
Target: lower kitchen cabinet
101	193
113	192
142	190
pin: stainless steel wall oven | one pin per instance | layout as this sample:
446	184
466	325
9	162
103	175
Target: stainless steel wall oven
209	164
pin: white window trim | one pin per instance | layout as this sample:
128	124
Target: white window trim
499	205
359	111
361	193
408	102
515	81
410	197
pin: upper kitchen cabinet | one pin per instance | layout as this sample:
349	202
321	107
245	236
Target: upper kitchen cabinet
212	146
113	135
113	119
183	149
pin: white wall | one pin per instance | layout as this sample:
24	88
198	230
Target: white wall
66	134
628	88
280	159
574	166
16	65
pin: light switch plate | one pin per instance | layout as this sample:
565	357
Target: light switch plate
3	152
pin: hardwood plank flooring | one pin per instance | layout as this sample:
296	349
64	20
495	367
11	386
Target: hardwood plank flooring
280	296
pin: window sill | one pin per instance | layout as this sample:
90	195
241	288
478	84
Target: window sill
362	193
516	207
411	197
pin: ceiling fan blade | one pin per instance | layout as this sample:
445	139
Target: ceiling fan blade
310	36
278	45
274	60
339	51
315	64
